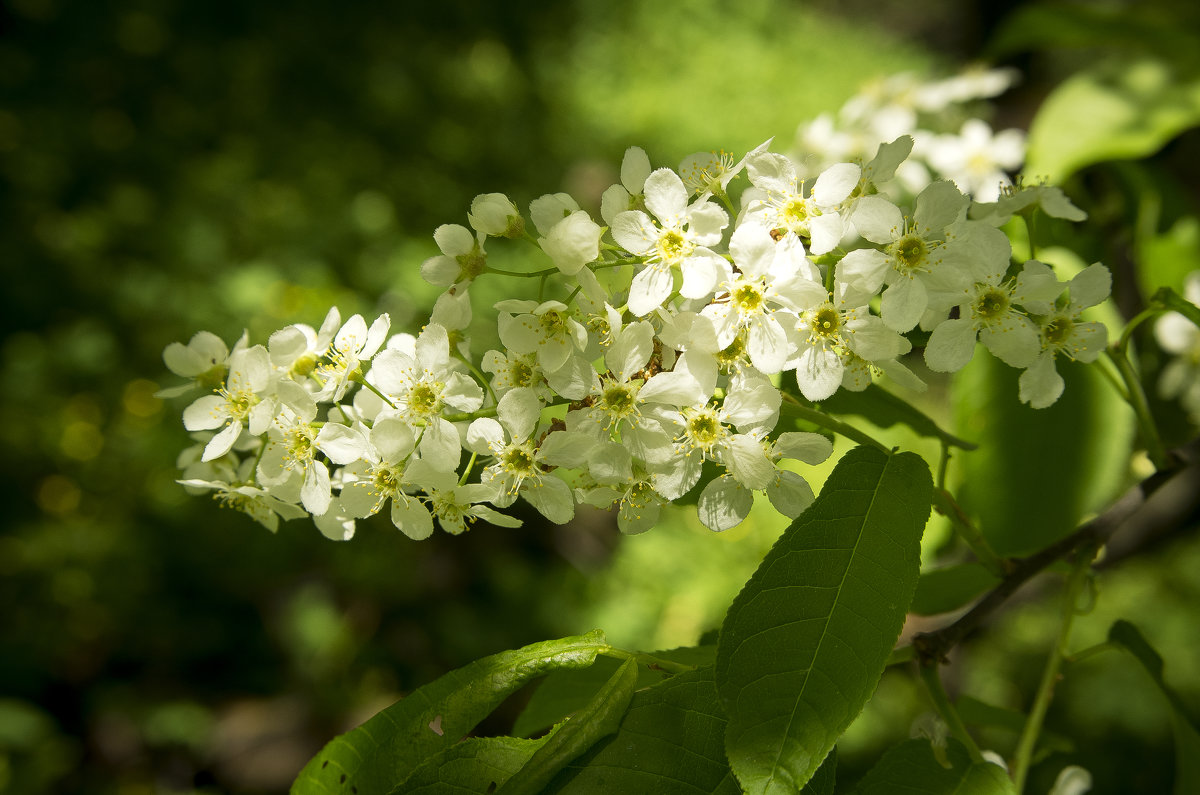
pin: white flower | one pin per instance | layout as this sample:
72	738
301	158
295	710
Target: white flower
297	349
774	282
976	159
677	242
920	255
456	506
709	173
263	506
1063	332
627	194
379	474
548	330
573	242
778	199
243	400
352	345
495	214
989	313
461	260
520	463
204	360
291	448
422	383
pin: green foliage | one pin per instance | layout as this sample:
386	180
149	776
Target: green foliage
1125	109
1187	737
806	640
388	747
671	742
880	407
912	767
1045	467
564	692
951	587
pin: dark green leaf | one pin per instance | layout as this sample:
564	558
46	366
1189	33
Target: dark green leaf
476	764
599	718
564	692
824	780
880	407
1187	738
671	742
1043	468
804	643
912	769
951	587
979	713
386	749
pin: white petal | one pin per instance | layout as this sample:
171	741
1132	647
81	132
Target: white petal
951	345
903	303
412	518
392	437
790	494
748	462
768	346
484	434
222	443
700	273
569	449
454	239
1091	286
315	494
649	288
1016	344
818	373
631	350
878	220
864	268
666	196
343	445
552	498
1041	385
724	503
634	231
938	206
835	184
635	168
440	445
811	448
519	411
205	413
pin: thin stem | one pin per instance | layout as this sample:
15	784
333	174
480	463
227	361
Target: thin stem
1027	216
946	505
837	426
1103	366
520	274
1045	693
467	471
1091	651
1137	320
375	389
1141	408
647	659
943	464
941	701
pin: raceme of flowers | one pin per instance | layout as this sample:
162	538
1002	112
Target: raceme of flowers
661	363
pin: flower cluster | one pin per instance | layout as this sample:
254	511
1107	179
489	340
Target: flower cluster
656	360
948	141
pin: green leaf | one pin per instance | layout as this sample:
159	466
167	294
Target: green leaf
387	748
1044	469
599	718
979	713
671	742
1187	738
563	692
912	768
824	780
1121	110
476	764
951	587
880	407
803	645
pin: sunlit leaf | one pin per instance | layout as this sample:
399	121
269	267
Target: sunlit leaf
387	748
805	642
1120	110
472	765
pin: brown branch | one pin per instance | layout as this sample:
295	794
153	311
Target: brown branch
1129	510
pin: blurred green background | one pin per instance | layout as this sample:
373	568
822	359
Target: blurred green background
170	166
